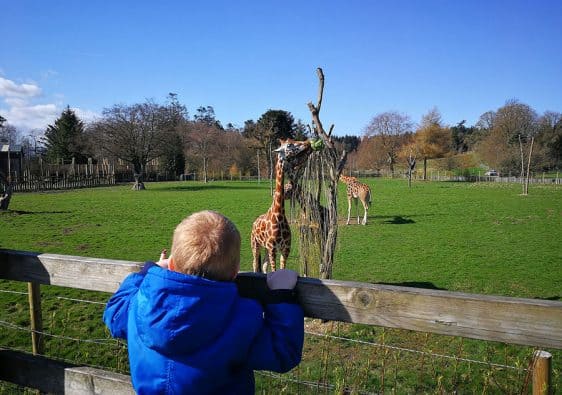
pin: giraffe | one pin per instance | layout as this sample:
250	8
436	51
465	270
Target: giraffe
358	191
271	230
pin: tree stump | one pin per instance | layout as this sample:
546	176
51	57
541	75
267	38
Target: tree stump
139	184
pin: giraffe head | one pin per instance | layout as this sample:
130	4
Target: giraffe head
347	179
293	153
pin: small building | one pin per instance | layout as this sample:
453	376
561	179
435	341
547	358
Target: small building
11	159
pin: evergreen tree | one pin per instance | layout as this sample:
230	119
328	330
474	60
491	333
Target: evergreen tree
65	139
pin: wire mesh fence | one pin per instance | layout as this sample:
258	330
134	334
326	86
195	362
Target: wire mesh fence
338	358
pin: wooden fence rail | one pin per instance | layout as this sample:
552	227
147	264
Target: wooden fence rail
531	322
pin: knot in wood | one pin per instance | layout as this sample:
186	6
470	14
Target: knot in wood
363	298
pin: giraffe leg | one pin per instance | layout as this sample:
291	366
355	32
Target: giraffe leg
256	264
364	215
284	257
357	210
263	266
348	210
271	256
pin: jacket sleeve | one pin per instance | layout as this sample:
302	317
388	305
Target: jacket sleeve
116	310
278	345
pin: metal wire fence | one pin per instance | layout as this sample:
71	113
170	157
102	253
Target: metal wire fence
338	357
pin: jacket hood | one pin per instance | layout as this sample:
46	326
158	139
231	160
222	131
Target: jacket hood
180	313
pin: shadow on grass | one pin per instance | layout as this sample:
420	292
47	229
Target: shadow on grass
193	188
390	219
23	212
399	220
417	284
555	298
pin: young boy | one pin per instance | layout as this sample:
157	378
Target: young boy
187	329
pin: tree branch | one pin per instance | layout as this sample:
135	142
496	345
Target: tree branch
320	88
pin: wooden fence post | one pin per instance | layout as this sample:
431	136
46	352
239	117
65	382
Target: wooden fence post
37	340
542	373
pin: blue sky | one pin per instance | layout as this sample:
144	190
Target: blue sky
245	57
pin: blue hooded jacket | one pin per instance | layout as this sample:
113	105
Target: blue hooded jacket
188	334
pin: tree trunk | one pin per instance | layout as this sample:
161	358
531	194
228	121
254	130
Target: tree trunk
330	228
204	170
139	184
522	160
411	166
259	175
138	175
391	165
526	188
330	232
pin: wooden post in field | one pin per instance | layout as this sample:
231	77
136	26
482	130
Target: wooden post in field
34	294
542	373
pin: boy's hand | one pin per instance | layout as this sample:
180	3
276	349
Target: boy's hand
163	261
282	279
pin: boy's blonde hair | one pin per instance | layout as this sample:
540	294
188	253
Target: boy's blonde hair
207	244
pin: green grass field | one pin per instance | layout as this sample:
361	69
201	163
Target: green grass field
479	238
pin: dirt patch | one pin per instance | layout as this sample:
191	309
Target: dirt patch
49	244
82	247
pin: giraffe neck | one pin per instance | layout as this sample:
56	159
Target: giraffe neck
278	205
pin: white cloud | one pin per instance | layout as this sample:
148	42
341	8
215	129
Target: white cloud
15	101
23	111
31	116
9	89
86	115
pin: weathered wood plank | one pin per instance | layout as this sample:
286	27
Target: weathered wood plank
86	380
530	322
56	377
64	270
512	320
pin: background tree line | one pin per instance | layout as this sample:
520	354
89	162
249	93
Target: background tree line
143	133
149	132
500	139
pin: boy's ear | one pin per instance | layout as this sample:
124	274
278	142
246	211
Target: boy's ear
235	271
171	264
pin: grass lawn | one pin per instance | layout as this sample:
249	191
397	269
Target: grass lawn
479	238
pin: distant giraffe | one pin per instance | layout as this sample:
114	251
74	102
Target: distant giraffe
271	230
358	191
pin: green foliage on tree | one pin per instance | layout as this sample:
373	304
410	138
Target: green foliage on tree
276	124
350	143
271	126
206	115
461	137
550	137
173	157
65	139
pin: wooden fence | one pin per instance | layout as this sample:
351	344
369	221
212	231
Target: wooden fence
444	175
36	184
531	322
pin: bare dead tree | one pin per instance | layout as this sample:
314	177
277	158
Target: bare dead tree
136	134
328	216
390	127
